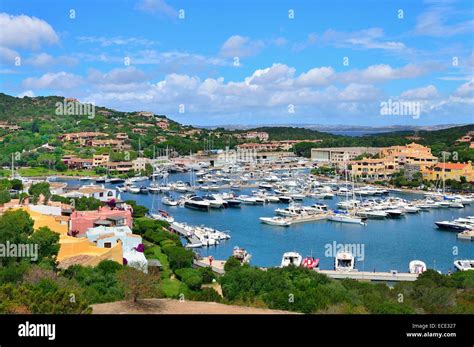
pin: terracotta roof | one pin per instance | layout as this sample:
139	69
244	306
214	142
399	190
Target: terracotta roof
452	166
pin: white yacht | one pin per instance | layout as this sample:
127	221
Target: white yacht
168	200
344	261
291	258
342	217
278	221
464	265
162	215
416	267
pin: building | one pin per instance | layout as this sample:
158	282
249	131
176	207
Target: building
121	136
116	145
450	171
251	135
75	163
100	159
119	166
465	139
139	164
72	250
163	124
371	168
92	191
412	153
108	237
81	221
340	155
145	114
82	137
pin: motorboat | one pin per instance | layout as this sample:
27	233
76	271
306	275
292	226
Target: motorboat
197	203
464	265
344	217
143	190
291	259
215	201
416	267
265	185
247	200
395	212
310	263
277	221
344	261
241	254
162	215
169	201
154	188
133	189
286	199
447	225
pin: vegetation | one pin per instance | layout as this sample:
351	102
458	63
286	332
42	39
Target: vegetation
303	290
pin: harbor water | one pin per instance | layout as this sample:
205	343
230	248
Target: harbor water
387	244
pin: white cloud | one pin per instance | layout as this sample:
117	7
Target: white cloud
466	89
316	76
157	7
433	23
423	93
46	60
59	80
28	93
372	38
25	32
116	41
239	46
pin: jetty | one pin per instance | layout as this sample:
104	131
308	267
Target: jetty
392	276
217	265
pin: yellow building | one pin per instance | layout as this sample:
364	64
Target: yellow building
74	250
381	168
453	171
412	153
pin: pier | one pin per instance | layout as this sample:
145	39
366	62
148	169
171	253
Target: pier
371	276
217	265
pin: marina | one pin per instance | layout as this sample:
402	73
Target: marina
397	226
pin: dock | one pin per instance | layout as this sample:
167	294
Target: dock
393	276
466	235
193	241
217	265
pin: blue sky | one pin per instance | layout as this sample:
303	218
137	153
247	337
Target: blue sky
246	62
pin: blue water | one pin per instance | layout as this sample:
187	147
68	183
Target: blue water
389	244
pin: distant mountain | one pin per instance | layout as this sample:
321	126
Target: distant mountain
337	128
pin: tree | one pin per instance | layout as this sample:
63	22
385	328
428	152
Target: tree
136	284
38	189
60	166
4	197
138	210
15	227
48	245
16	184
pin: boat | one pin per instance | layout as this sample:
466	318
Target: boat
241	254
247	200
265	185
344	261
133	189
143	190
100	179
169	201
464	265
214	201
233	202
197	203
395	212
286	199
163	216
344	217
310	263
277	221
372	214
416	267
291	258
116	180
447	225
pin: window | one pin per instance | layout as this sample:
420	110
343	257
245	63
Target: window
108	244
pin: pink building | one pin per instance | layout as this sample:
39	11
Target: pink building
104	216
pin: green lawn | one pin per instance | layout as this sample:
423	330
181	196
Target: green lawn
171	287
41	171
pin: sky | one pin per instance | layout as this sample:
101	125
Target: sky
211	62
